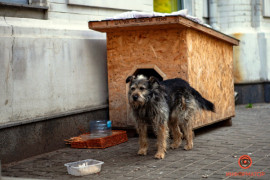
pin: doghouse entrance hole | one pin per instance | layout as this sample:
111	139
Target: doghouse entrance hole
148	73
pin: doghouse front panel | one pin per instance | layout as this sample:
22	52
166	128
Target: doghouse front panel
127	51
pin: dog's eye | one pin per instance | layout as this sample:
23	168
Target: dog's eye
132	89
142	88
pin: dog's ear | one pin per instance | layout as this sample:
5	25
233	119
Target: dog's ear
153	80
129	79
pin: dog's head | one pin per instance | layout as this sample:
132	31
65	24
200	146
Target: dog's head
141	89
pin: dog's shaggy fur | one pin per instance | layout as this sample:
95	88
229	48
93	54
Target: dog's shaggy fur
164	105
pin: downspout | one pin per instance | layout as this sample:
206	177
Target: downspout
213	14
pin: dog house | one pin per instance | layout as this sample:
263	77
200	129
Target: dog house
169	47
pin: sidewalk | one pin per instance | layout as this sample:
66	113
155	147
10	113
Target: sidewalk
216	152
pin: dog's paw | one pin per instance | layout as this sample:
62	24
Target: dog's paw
159	155
174	145
142	152
188	147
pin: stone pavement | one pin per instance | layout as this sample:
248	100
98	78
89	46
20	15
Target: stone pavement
215	155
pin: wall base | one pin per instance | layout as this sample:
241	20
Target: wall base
253	93
20	142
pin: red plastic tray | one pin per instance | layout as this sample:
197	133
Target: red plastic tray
117	137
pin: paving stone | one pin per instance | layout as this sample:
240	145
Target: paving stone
176	174
216	151
218	175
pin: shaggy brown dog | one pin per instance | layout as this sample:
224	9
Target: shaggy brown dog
170	103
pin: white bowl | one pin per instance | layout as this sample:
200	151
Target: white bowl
84	167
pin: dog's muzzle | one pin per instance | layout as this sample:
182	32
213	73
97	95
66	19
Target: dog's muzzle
135	97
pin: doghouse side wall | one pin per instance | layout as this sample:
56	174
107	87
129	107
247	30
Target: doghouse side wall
210	69
164	48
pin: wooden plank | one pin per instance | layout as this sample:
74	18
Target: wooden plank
105	26
156	22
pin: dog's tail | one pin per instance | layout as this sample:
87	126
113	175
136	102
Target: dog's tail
206	105
202	102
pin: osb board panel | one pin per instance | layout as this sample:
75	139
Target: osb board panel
125	50
210	71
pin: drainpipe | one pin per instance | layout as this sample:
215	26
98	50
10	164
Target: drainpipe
213	14
188	4
256	14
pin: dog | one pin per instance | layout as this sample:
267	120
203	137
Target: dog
166	105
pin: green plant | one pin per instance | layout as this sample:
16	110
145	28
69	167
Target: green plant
249	105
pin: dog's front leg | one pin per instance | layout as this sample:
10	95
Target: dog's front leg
142	130
162	136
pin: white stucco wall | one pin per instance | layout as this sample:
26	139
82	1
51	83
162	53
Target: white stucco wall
84	10
55	66
52	70
244	20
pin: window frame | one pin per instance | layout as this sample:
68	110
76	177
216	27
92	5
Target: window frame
266	8
205	8
109	4
15	1
26	4
188	4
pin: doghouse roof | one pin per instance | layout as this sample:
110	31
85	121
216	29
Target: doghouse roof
163	22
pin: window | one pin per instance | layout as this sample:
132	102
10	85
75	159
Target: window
24	3
15	1
167	6
24	8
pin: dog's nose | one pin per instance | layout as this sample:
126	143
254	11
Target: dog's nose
135	97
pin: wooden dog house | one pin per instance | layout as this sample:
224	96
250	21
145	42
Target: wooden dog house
169	47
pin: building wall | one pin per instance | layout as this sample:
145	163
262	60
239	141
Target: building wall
53	72
54	66
81	10
245	20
